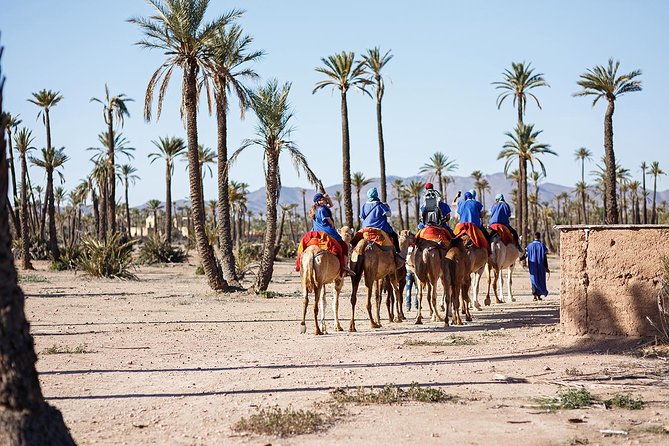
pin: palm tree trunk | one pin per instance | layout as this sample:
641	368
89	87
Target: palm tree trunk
653	214
645	199
357	191
102	204
346	161
127	209
271	200
382	151
53	234
209	264
585	213
224	235
168	203
304	210
406	214
111	173
610	159
279	236
399	213
523	201
25	418
25	261
17	222
416	203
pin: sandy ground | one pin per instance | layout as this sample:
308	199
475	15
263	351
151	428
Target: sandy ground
170	363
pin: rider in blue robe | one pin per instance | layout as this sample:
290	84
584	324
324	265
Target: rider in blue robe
537	263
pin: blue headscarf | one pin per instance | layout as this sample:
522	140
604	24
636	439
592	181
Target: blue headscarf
372	194
468	195
499	197
318	197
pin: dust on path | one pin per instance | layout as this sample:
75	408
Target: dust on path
174	364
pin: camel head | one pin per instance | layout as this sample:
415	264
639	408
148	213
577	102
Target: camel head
346	233
406	237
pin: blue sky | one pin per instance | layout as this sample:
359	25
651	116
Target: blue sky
439	95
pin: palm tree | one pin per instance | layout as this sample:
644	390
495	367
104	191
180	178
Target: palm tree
644	192
604	82
343	73
51	161
623	177
375	62
169	149
477	175
359	181
12	122
206	157
26	417
523	146
415	188
581	154
178	29
231	55
438	166
23	140
154	206
633	187
128	175
112	107
655	171
398	186
338	197
517	83
270	104
582	190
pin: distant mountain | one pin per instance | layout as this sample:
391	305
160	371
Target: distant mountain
498	184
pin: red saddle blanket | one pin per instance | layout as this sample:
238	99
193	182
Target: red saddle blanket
504	233
373	235
475	235
320	239
434	234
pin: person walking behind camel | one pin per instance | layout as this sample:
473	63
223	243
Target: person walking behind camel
537	263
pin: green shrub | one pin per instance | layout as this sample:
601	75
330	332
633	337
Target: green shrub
287	249
624	402
247	256
69	259
199	270
155	250
39	248
111	257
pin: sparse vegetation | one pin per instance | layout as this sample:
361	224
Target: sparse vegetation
283	422
568	399
573	372
31	278
576	441
655	429
70	256
267	294
199	270
624	402
110	257
64	349
156	250
449	341
391	394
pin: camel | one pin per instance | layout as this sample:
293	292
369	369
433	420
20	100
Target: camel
376	263
428	266
457	263
478	259
503	257
319	267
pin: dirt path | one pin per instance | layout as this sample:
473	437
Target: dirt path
168	362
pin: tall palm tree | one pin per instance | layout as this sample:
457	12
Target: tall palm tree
23	140
128	174
343	73
581	154
338	197
398	186
231	57
178	29
26	417
206	157
169	149
154	207
51	161
270	104
359	181
375	62
477	175
644	192
415	188
523	147
655	171
112	107
11	123
633	187
518	83
438	166
582	190
604	82
623	176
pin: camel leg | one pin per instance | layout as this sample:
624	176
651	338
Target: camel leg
466	299
377	295
475	288
499	279
399	296
339	283
509	280
487	294
323	306
354	299
303	325
389	300
399	316
317	297
370	289
433	291
419	316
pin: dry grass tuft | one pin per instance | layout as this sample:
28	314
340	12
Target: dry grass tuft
283	422
391	394
64	349
449	341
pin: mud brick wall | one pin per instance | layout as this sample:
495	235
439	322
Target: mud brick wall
610	278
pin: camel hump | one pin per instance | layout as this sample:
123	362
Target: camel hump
378	236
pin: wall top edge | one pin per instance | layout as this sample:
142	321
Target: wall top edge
604	227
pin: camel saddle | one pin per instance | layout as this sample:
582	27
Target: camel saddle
435	234
372	236
504	233
474	234
322	240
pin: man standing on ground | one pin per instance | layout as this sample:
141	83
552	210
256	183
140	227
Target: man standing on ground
537	263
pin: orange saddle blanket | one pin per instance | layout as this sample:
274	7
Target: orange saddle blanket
377	236
434	234
475	234
504	233
320	239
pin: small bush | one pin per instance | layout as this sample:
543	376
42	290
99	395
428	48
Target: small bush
287	249
391	394
111	257
568	399
69	259
449	341
155	250
573	372
283	422
247	256
58	350
30	278
624	402
199	270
